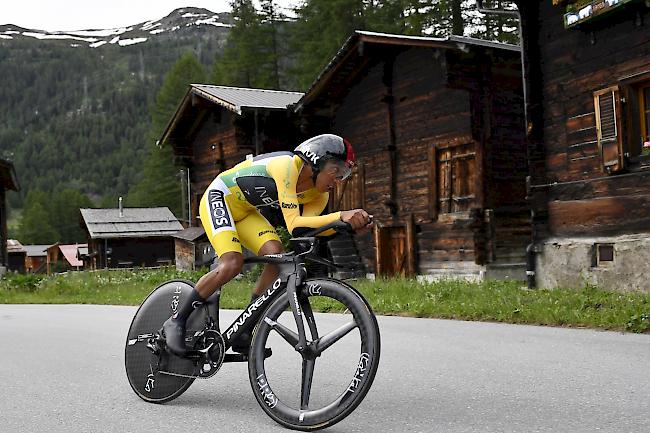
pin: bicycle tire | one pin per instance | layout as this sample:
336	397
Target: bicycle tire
310	419
141	364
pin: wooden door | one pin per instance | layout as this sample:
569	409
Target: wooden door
391	250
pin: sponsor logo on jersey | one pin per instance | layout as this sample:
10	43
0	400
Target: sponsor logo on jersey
264	232
234	239
289	206
218	210
263	194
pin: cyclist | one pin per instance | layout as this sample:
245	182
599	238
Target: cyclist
294	184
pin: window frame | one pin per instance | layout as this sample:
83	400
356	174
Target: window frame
630	126
435	149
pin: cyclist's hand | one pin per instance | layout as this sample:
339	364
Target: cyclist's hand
358	219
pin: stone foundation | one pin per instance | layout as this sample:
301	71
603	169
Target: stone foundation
619	263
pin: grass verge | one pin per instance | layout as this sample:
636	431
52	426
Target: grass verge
498	301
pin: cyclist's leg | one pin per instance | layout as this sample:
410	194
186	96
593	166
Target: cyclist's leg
221	229
271	271
219	226
259	236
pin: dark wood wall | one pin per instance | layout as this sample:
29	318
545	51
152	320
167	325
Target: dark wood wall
132	252
575	192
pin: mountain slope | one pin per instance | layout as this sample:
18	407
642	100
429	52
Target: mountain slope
74	106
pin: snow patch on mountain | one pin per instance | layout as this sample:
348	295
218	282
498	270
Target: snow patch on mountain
125	36
125	42
150	25
57	36
101	33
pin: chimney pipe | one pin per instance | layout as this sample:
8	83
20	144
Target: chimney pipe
121	208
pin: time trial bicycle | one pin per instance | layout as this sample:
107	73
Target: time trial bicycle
282	323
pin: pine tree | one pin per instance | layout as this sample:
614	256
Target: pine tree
161	185
65	207
35	225
269	40
321	28
240	63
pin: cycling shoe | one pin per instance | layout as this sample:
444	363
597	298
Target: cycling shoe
174	333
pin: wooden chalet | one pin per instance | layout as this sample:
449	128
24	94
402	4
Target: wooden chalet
16	254
193	249
588	89
8	182
130	237
215	127
63	258
437	125
36	258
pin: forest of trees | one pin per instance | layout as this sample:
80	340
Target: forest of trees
81	126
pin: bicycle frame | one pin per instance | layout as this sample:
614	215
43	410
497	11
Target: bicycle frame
292	274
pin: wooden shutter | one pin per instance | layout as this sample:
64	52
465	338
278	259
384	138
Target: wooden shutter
607	105
453	169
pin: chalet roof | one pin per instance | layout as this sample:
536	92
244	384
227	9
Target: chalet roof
36	250
82	251
235	99
8	178
133	223
238	98
354	45
13	246
190	234
70	252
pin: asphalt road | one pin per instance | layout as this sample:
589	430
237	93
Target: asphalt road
62	370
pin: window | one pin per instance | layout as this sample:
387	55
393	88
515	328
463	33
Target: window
452	177
608	123
623	124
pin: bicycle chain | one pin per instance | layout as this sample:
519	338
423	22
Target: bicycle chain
169	373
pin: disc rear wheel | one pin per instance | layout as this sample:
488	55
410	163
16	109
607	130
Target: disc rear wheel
155	375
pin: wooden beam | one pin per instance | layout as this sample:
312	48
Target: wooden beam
410	246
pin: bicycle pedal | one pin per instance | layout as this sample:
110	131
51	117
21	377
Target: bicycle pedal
235	357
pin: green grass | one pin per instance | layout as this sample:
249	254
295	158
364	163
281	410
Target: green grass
497	301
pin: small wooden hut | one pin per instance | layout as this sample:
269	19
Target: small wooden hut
16	254
130	237
63	258
193	250
36	258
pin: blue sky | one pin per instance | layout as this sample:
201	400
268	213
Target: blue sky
92	14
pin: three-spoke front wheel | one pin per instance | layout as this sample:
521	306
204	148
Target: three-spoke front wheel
322	384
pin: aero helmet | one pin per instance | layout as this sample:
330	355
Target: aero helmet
321	149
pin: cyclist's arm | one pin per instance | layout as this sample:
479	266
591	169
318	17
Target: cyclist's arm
285	175
316	208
